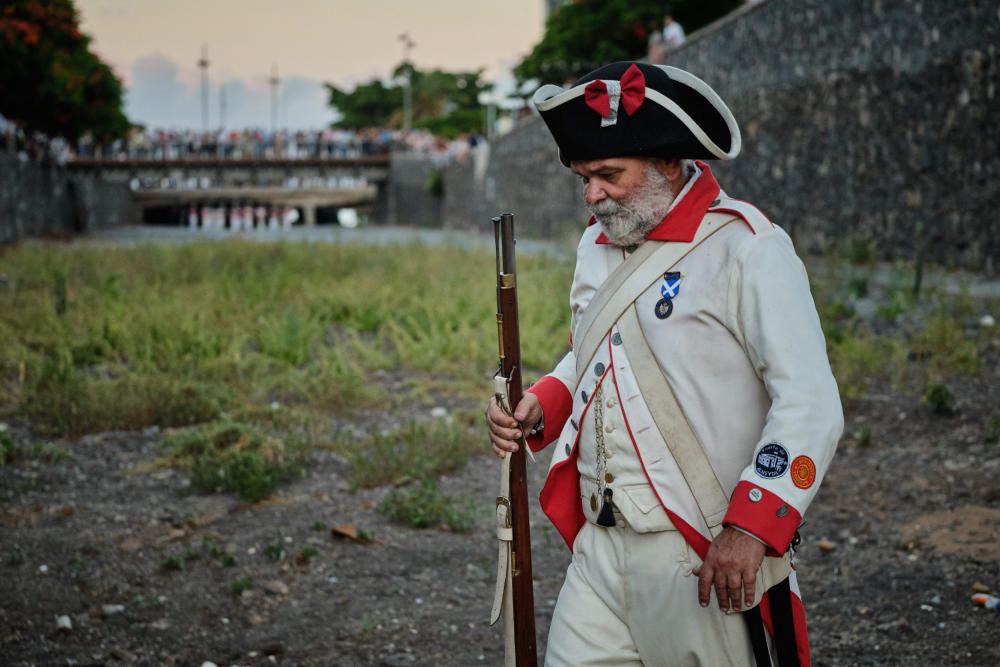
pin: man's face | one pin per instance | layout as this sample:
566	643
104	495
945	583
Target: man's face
614	178
628	196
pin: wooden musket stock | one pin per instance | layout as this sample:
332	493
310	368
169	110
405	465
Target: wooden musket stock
510	368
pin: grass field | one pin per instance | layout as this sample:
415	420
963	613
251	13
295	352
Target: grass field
255	341
122	338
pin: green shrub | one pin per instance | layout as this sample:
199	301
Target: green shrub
36	451
239	585
939	400
861	357
70	402
7	448
435	183
943	347
992	429
275	551
861	252
416	450
173	563
235	457
426	506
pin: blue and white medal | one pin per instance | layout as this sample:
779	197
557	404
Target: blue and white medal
669	289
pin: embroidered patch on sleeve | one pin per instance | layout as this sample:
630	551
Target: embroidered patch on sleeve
771	461
803	472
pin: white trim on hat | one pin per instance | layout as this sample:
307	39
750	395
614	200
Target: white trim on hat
692	81
550	96
695	129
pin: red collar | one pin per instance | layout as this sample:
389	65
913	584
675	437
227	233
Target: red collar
682	222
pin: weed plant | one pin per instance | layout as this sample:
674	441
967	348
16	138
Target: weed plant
426	506
35	451
235	457
903	341
414	451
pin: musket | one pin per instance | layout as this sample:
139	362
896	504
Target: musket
514	595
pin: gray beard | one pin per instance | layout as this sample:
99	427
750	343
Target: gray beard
628	221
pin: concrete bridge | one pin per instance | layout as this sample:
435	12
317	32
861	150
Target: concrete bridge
171	191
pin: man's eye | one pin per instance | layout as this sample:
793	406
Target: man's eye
584	180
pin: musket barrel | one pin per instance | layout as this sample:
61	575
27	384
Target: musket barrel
507	236
510	362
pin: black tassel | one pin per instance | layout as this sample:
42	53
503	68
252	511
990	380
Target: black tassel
606	517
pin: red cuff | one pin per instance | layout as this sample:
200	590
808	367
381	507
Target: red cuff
557	403
766	515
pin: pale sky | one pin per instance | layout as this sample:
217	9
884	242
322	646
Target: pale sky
154	46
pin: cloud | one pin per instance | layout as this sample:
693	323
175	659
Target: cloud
161	94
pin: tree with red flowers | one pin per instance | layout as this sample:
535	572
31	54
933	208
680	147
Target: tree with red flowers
581	36
50	80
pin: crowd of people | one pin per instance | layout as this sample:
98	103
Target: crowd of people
33	146
251	143
254	143
329	143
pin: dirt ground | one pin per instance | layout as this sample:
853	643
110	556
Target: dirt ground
911	508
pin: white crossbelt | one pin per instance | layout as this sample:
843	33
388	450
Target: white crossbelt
671	422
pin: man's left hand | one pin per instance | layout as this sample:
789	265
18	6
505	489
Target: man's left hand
731	567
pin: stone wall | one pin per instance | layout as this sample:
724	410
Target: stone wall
43	199
872	121
408	199
519	174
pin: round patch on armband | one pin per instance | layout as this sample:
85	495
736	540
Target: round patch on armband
803	472
771	461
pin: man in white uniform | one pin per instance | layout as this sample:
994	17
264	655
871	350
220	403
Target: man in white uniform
658	574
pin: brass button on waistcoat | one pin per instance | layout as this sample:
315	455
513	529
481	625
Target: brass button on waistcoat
609	428
608	477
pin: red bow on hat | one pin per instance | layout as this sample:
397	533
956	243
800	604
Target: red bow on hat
633	84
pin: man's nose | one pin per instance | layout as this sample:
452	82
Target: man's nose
593	193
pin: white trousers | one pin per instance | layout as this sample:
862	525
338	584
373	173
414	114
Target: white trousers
630	600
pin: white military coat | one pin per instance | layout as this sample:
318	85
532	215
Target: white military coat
745	355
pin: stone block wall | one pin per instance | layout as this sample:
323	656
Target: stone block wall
44	199
520	174
408	199
872	121
865	120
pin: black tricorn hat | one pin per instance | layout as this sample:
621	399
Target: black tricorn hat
632	109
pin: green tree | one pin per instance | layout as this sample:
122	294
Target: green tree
368	105
585	34
445	103
50	80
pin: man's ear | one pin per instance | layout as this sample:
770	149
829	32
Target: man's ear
672	170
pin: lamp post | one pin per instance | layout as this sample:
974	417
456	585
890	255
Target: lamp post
274	81
203	65
222	106
408	45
